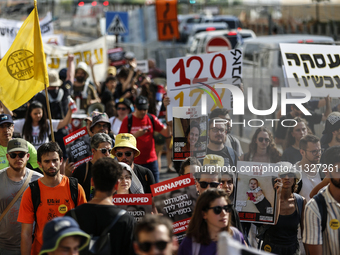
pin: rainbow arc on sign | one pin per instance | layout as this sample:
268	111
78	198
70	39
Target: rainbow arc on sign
214	97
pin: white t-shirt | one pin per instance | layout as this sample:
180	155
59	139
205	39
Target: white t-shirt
115	125
19	124
308	184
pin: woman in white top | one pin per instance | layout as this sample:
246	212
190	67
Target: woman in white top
124	108
35	128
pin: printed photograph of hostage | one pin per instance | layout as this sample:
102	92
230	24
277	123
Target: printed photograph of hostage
255	194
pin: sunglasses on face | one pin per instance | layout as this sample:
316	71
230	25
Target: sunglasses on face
218	209
290	175
104	150
204	185
127	154
266	139
121	108
14	155
146	246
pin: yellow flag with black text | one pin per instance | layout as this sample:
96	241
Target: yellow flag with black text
23	71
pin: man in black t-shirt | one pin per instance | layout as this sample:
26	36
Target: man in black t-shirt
217	136
101	145
315	118
125	150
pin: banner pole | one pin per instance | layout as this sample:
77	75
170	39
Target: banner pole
49	113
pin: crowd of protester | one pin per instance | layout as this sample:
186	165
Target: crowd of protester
126	119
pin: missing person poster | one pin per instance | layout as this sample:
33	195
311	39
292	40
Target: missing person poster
137	205
78	147
190	133
176	199
255	193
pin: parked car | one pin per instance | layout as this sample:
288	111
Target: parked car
186	24
205	27
232	21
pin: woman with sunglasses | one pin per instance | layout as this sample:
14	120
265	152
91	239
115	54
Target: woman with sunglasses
282	238
294	134
35	128
124	107
262	148
210	217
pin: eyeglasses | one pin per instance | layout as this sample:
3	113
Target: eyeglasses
127	154
266	139
102	125
315	152
204	185
121	108
127	177
283	175
14	155
146	246
6	125
227	182
218	209
217	130
104	150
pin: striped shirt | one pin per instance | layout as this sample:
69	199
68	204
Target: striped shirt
312	232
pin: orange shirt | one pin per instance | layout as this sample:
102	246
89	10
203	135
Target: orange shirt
55	202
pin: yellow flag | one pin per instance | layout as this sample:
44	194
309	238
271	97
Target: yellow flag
23	71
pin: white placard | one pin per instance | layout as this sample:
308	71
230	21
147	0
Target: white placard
188	78
56	56
143	66
314	67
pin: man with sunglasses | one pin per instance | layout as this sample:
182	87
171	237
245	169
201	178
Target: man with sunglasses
217	137
6	134
101	145
100	124
125	151
154	235
310	150
12	179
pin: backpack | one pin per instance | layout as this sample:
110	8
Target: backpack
35	194
321	202
232	155
130	121
233	142
100	245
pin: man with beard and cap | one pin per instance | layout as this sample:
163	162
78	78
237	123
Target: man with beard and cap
326	212
217	136
83	90
231	141
12	180
332	131
56	195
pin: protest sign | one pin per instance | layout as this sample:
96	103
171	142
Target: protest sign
314	67
137	205
56	56
116	57
53	39
190	133
142	65
188	78
10	28
78	147
255	193
176	199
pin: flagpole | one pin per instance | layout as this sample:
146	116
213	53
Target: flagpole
49	113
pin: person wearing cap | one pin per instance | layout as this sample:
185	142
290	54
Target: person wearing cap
101	145
83	90
12	179
62	235
209	177
100	124
314	118
125	151
6	134
55	192
316	239
95	216
331	134
142	127
310	150
128	183
282	238
123	107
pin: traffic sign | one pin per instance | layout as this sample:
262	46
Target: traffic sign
218	43
167	23
117	23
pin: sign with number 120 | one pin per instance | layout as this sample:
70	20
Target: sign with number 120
188	78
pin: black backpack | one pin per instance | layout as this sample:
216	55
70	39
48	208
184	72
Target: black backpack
35	194
100	245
